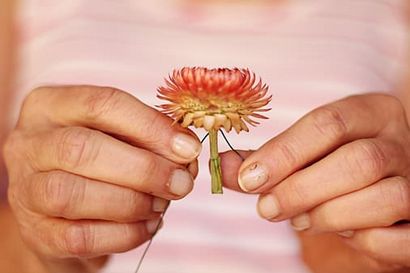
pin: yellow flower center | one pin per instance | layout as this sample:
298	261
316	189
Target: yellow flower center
211	105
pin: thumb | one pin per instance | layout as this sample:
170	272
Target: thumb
230	163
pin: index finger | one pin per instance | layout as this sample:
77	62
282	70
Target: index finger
230	164
315	135
115	112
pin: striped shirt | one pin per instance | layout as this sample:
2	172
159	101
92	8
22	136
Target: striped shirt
309	52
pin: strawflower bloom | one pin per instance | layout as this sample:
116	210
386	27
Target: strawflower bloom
214	99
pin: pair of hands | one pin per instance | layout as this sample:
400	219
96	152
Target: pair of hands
92	168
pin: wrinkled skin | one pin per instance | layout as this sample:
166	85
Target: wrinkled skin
91	169
341	175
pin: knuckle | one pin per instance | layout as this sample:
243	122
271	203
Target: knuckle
79	240
369	158
288	153
34	96
137	206
294	197
101	101
368	245
32	105
32	102
400	198
331	221
58	194
330	122
151	136
150	166
394	105
75	147
12	145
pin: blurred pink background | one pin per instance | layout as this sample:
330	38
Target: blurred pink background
308	52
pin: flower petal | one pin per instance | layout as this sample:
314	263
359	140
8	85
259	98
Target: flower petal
214	98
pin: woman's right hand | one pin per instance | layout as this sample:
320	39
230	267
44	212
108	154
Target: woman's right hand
91	169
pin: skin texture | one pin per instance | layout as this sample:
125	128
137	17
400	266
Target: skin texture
379	245
337	252
87	178
356	180
23	254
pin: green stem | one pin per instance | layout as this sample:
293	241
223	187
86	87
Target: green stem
215	163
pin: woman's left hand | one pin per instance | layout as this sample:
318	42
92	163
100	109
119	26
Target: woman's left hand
342	168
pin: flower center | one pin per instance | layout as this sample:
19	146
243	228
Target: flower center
210	105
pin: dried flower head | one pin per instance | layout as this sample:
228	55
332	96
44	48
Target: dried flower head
214	98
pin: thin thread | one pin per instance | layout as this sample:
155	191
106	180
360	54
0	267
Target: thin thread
156	229
230	146
150	241
203	139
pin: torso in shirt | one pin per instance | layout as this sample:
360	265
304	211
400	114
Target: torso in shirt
309	52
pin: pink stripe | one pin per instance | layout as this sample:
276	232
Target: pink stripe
310	53
182	255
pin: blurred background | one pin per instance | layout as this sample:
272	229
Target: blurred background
308	52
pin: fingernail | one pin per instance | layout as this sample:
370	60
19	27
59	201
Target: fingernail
268	207
346	234
181	183
300	222
252	177
186	146
153	225
159	204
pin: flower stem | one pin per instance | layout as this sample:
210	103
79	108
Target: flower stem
215	163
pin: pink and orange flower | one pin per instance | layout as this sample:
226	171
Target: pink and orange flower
214	98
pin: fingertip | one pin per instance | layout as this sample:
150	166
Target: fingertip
186	147
159	205
268	207
153	226
181	183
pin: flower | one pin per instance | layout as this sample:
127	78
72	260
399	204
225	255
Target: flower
214	98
